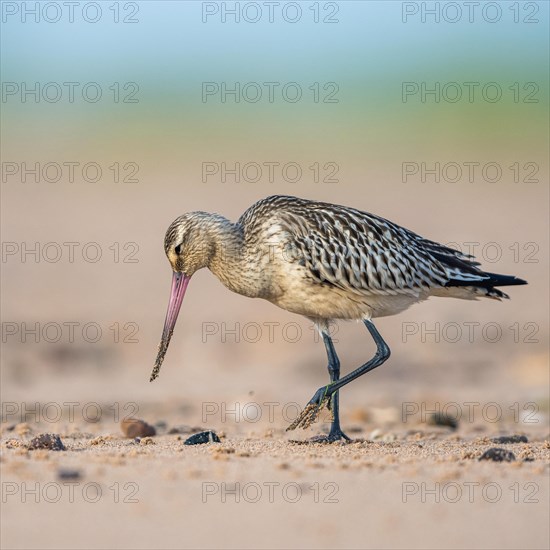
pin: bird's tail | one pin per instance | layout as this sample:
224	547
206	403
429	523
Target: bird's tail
485	284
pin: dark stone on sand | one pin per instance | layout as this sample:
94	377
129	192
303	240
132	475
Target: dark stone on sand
497	454
510	439
51	442
132	427
65	473
441	419
201	438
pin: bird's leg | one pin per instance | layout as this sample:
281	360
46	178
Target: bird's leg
333	372
323	394
336	433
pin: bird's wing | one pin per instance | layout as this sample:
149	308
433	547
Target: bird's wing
354	250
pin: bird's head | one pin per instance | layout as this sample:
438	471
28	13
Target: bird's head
189	245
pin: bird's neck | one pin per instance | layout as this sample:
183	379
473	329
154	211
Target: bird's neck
229	258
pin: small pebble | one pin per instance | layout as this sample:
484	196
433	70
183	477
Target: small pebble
441	419
498	455
201	438
132	427
64	473
52	442
510	439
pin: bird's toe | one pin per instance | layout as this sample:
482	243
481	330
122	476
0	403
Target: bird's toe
339	437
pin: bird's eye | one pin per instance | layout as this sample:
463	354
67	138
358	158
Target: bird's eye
177	250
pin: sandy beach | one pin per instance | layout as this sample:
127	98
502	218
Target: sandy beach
404	481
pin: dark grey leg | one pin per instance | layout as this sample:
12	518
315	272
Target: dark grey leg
334	372
324	394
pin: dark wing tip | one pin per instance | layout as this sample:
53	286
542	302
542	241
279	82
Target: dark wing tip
505	280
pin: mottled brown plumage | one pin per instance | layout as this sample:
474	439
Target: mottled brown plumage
321	260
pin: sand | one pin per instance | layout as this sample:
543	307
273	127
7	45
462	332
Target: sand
397	485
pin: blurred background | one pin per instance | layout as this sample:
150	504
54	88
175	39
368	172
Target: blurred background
436	122
379	145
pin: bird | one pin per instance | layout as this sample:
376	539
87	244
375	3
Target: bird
326	262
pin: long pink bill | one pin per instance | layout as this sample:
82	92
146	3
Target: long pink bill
179	285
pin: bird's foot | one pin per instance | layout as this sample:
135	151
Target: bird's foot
333	437
307	417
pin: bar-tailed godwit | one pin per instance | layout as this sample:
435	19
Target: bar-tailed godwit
323	261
